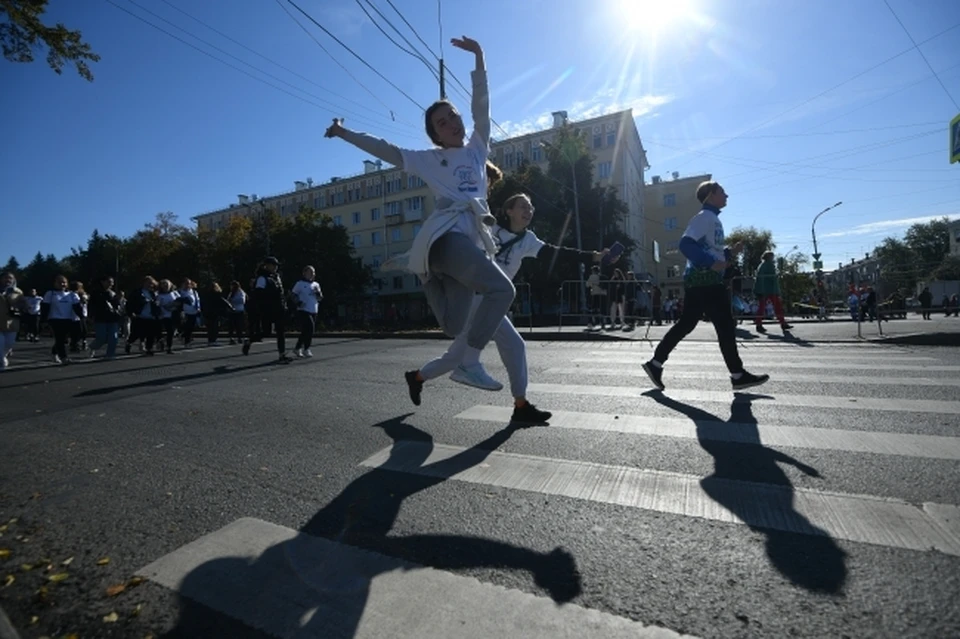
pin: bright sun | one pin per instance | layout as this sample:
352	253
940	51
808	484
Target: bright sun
653	16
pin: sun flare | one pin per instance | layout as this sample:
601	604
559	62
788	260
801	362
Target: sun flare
654	16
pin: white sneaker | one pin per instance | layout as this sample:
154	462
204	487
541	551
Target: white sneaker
298	352
4	362
56	359
308	353
475	376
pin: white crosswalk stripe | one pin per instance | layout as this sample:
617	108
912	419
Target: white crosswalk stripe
720	375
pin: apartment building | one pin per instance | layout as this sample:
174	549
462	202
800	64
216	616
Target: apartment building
668	207
382	208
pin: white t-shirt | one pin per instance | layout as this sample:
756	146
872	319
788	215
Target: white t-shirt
168	303
707	230
61	304
33	304
191	301
510	260
455	174
147	311
238	301
308	295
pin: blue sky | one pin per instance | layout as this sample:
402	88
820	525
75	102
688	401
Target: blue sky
786	103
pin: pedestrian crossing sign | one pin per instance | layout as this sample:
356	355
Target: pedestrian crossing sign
955	140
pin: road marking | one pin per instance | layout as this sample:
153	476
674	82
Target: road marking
861	368
757	397
867	380
778	355
860	518
290	584
856	441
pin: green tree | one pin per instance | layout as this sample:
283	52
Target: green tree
12	265
39	273
899	268
930	242
755	243
949	269
22	32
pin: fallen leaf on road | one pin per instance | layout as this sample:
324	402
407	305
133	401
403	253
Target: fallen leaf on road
134	582
13	521
136	610
41	593
60	576
4	553
3	528
103	562
113	591
26	567
67	561
8	580
72	635
36	495
111	618
102	415
95	470
34	620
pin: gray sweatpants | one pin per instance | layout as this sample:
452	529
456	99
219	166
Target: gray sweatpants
458	270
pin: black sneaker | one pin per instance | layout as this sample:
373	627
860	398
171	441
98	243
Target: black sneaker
655	373
530	414
749	380
761	329
786	327
414	385
284	359
127	347
246	347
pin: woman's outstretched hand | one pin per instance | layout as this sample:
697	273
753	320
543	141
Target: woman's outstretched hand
335	129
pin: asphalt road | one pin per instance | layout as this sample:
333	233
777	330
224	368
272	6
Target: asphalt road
823	504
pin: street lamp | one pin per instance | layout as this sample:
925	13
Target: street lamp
817	263
576	215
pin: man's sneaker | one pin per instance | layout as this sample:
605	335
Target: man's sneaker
308	353
298	352
530	414
246	347
414	385
748	380
56	359
284	359
761	329
786	326
474	375
92	353
127	347
655	373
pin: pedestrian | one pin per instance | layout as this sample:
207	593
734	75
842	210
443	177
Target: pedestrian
124	318
238	303
271	308
453	250
30	320
106	318
12	305
214	305
190	302
516	243
145	313
308	295
704	292
59	309
168	300
767	289
78	330
598	299
926	301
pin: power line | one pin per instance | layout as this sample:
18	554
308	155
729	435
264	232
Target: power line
915	46
416	56
833	88
260	55
225	63
255	68
351	51
415	31
806	133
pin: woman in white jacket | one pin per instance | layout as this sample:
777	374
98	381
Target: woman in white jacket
452	252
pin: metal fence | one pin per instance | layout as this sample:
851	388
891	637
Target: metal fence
635	296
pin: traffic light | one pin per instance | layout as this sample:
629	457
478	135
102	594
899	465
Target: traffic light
819	275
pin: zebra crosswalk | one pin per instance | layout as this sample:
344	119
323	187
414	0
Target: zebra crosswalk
874	438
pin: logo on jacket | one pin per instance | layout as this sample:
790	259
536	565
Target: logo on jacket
468	178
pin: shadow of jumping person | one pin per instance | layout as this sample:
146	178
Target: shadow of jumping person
317	583
748	481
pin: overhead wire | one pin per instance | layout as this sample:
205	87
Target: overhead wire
920	51
412	54
240	69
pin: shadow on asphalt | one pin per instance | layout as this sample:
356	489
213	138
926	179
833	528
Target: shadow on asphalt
361	516
166	381
811	559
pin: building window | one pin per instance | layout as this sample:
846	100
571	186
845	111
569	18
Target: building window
398	282
673	247
519	158
508	159
414	182
356	241
376	238
415	204
604	169
597	141
670	223
416	229
374	214
396	235
673	271
670	199
393	208
375	262
536	153
318	202
417	282
338	198
338	220
611	138
356	217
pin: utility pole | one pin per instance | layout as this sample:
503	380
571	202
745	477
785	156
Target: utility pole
443	83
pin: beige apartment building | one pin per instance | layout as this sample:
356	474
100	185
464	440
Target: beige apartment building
669	205
383	208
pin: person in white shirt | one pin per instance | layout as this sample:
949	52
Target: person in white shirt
59	309
452	251
516	243
78	331
145	313
168	300
31	315
190	300
238	304
270	305
11	308
307	294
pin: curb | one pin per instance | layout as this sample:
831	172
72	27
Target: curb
7	631
920	339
